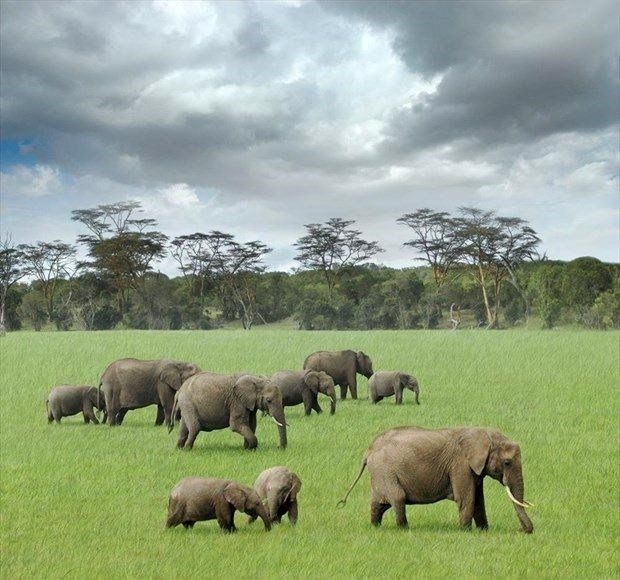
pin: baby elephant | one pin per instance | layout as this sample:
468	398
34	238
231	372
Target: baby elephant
388	383
199	498
279	488
67	400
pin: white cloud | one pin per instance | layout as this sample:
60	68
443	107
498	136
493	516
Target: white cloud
36	181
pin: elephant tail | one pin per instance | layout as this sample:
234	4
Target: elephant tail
343	501
173	413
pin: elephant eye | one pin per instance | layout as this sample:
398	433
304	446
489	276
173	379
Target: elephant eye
269	400
507	462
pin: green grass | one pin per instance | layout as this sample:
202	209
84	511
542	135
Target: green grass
83	500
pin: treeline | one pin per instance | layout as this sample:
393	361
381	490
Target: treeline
479	270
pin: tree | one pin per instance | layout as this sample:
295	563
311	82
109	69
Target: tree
13	267
584	279
333	248
493	246
49	262
120	247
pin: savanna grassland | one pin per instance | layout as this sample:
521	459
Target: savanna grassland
83	500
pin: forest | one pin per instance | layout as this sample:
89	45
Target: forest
471	270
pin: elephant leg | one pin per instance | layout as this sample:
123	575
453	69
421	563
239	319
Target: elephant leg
399	509
188	525
249	439
307	398
225	514
113	406
377	509
480	514
353	386
252	422
343	392
399	396
293	512
183	433
465	501
161	416
89	414
316	407
193	431
120	416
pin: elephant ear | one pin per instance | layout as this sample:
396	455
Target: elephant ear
476	445
404	379
171	376
234	495
312	381
245	390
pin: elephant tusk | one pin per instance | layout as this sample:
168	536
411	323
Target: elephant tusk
524	504
276	421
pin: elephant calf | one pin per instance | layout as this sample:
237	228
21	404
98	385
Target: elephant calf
279	487
387	383
196	499
67	400
304	387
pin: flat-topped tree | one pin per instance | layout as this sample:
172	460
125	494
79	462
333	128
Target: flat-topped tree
120	246
333	248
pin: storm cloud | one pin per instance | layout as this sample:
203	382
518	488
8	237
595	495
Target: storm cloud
259	117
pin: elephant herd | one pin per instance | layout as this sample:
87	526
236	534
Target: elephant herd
407	465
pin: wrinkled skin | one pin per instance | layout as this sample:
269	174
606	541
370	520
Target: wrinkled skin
67	400
342	366
130	383
411	465
304	387
387	383
196	499
278	488
211	401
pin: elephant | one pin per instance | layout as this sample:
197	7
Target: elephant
278	488
131	383
412	465
196	499
387	383
303	387
211	401
342	366
67	400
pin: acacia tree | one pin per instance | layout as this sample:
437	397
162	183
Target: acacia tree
49	262
13	268
120	246
493	246
333	248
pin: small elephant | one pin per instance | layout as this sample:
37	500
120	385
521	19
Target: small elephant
196	499
342	366
387	383
67	400
411	465
279	487
131	383
211	401
304	387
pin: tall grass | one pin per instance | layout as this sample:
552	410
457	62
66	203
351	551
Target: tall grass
83	500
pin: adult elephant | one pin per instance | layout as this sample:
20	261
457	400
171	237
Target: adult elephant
130	383
387	383
411	465
304	387
342	366
211	401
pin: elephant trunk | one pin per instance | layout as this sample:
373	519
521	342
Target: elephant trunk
514	488
278	416
331	393
264	515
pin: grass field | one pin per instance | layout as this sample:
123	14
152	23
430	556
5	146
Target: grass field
82	500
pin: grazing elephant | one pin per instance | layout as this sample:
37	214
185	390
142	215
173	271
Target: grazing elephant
210	401
130	383
196	499
387	383
342	366
411	465
304	387
278	487
67	400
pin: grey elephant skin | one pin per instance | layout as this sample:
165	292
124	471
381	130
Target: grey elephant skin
278	488
411	465
131	383
304	387
388	383
211	401
196	499
67	400
342	366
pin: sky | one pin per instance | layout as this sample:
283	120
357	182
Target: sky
256	118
